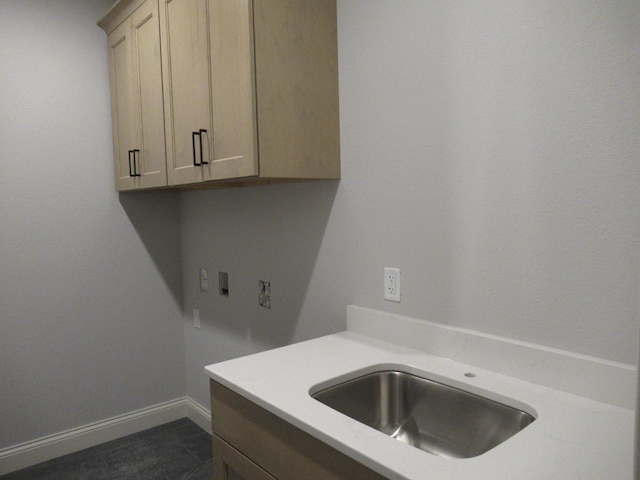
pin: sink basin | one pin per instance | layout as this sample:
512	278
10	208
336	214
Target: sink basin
434	417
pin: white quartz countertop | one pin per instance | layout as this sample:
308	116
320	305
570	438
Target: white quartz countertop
572	437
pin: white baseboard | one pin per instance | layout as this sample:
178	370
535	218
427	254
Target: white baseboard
52	446
198	414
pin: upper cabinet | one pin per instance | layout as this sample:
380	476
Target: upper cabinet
244	91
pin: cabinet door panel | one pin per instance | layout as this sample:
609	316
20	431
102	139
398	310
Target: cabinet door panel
186	81
122	103
229	464
233	94
145	27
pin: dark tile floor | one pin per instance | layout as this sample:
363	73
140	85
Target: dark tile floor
178	450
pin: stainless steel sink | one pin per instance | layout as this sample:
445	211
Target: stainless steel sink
428	415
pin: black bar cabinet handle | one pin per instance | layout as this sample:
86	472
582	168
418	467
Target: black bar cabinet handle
193	143
130	169
201	156
136	163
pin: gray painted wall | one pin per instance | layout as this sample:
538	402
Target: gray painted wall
90	295
490	151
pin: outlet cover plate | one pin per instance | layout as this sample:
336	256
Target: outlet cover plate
392	284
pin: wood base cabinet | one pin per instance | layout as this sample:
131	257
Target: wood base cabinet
250	443
246	91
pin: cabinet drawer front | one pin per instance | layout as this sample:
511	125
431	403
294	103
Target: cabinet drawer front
285	451
229	464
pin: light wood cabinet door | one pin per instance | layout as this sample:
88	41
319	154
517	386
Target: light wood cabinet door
185	55
234	151
151	161
122	107
136	100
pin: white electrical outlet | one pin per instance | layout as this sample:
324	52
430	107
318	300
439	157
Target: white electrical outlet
196	318
392	284
204	280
